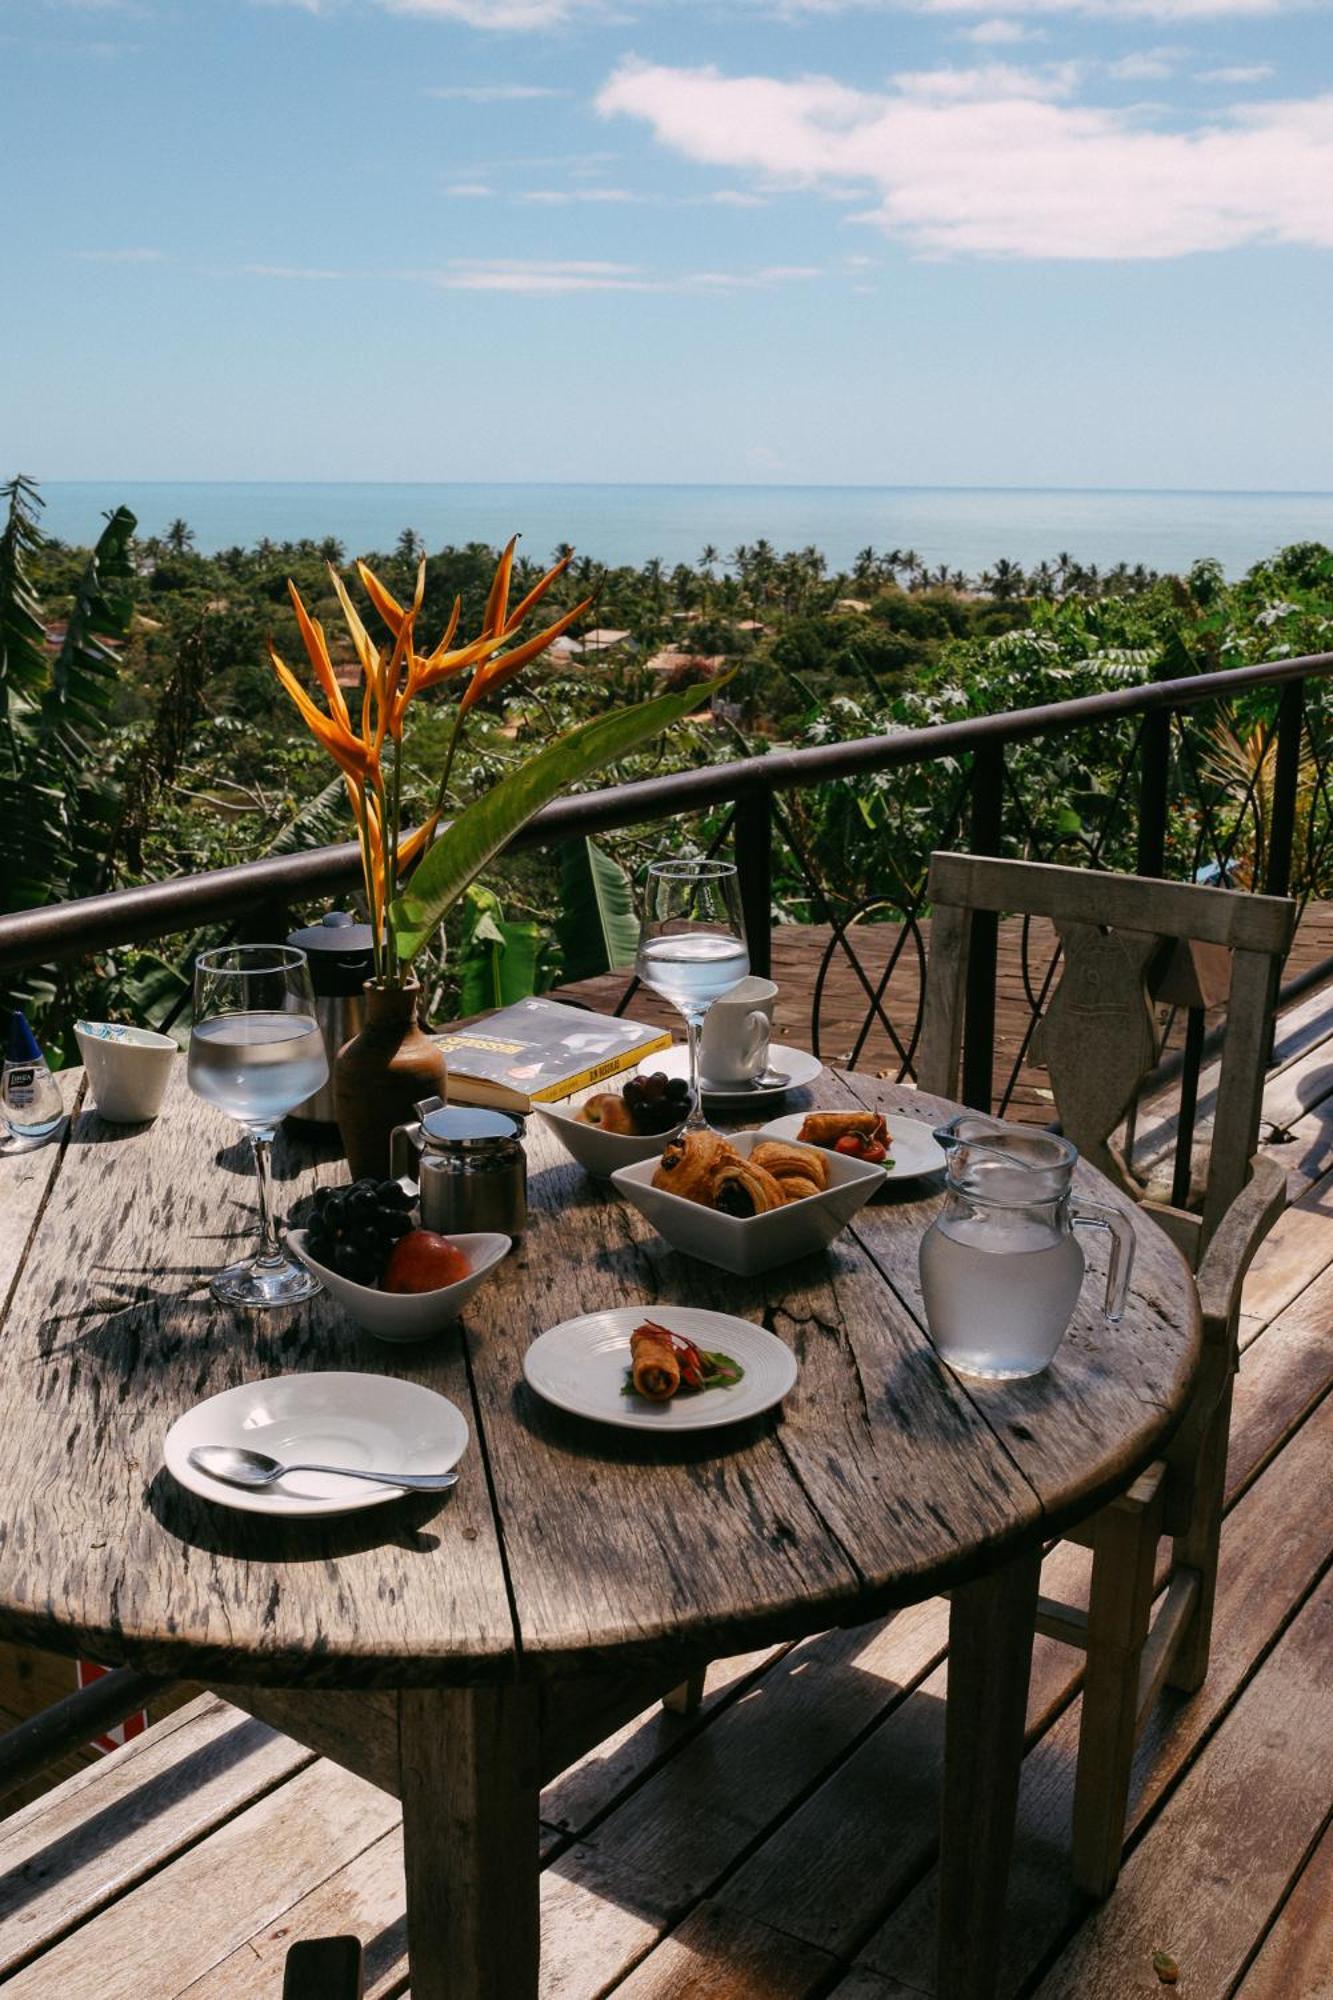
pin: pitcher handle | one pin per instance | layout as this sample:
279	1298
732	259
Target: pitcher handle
1090	1215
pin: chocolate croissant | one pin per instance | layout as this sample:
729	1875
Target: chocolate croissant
740	1187
800	1171
690	1163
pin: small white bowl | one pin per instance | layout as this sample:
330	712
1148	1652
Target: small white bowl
408	1315
128	1069
599	1153
749	1244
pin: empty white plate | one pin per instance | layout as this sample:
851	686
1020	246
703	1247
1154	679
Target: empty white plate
796	1066
913	1147
581	1365
336	1418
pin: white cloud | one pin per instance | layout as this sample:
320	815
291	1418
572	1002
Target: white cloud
1241	73
302	273
559	197
469	190
551	277
1000	32
493	93
500	16
135	256
1145	66
1007	172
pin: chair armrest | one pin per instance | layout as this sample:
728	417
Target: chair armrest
1234	1242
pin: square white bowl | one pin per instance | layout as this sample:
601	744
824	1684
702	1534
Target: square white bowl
599	1153
749	1244
408	1315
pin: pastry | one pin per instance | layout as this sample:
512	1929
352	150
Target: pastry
800	1170
654	1367
740	1187
690	1163
863	1135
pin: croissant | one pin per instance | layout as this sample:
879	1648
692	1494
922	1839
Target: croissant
800	1171
740	1187
690	1163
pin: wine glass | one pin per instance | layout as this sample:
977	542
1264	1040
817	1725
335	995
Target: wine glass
256	1051
692	947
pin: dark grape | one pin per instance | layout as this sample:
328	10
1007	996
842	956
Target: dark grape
353	1229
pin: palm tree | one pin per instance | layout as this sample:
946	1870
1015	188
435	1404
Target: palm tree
1005	582
409	547
865	569
179	537
332	551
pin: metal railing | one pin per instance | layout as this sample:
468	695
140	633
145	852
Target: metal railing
985	811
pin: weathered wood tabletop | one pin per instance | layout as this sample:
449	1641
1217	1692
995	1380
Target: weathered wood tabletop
477	1644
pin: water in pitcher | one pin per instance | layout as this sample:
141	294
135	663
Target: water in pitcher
999	1291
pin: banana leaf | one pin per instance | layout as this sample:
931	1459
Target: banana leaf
498	960
483	828
597	927
83	678
322	821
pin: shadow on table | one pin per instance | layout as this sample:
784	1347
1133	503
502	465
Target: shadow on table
223	1531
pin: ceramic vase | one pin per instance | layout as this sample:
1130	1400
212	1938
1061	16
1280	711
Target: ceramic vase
380	1076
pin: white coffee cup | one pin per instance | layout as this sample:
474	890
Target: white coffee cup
734	1048
128	1069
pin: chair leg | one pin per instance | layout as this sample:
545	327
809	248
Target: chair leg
1197	1548
687	1699
1123	1559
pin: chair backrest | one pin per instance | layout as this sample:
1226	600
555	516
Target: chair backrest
1098	1037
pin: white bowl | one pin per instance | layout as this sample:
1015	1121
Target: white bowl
599	1153
408	1315
749	1244
128	1069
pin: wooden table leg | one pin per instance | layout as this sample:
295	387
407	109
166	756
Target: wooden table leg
990	1657
468	1759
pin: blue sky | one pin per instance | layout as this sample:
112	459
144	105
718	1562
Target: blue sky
1072	242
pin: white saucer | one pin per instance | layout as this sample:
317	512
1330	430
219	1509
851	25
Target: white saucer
580	1366
797	1065
336	1418
914	1150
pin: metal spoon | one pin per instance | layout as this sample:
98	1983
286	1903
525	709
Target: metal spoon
256	1468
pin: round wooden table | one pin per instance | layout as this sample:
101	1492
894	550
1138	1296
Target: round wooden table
461	1652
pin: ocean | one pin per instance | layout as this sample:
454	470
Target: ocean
968	528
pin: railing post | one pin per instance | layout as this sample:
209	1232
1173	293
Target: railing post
1154	782
1286	787
754	861
985	836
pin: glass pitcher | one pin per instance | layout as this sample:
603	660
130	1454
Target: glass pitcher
1000	1266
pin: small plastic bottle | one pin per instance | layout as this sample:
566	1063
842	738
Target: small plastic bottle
30	1100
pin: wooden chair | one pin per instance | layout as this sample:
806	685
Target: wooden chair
1099	1039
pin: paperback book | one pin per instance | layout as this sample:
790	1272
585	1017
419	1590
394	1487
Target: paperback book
540	1050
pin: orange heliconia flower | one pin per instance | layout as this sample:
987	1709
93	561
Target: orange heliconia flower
391	678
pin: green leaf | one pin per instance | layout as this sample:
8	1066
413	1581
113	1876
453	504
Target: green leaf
497	963
461	852
598	928
84	676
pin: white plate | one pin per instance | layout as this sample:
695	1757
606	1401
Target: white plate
798	1065
914	1149
336	1418
580	1366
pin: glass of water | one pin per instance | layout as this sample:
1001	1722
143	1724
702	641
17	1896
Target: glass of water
256	1051
692	946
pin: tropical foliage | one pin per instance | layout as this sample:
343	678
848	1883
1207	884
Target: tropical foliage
192	761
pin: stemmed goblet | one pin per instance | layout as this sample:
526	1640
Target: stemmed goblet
256	1051
692	947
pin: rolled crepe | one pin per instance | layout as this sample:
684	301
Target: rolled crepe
825	1128
654	1368
800	1171
741	1188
